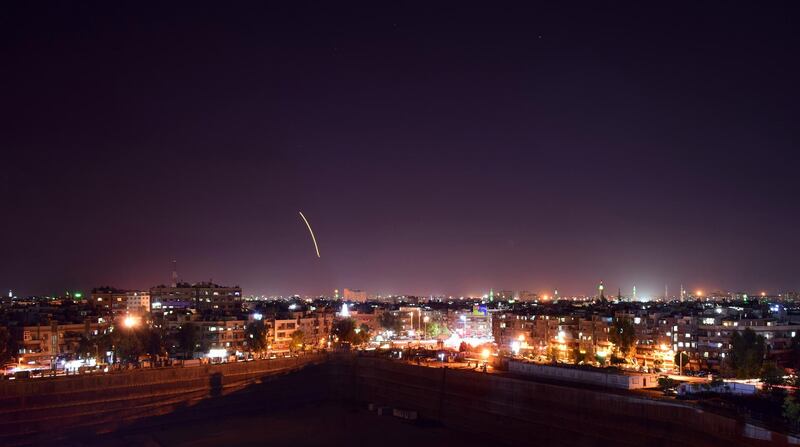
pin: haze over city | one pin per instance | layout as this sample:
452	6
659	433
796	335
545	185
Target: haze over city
435	150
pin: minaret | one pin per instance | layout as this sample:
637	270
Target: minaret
683	293
633	298
666	293
174	273
600	290
619	295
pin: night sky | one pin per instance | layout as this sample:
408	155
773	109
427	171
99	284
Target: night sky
434	149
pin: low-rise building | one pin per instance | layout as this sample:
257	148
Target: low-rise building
45	344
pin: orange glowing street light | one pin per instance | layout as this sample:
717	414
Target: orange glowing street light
130	321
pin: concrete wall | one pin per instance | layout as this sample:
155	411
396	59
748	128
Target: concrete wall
628	381
37	409
514	411
522	412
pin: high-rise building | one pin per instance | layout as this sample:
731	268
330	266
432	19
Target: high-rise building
354	295
202	296
525	295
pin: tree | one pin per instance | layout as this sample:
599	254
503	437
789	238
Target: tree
128	345
189	339
435	329
791	411
102	343
623	335
344	331
364	333
747	354
153	343
794	354
772	375
87	347
297	342
390	322
256	336
681	359
6	345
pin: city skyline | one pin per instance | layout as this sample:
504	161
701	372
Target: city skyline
435	150
632	292
399	223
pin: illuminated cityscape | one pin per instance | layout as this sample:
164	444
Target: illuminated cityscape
400	224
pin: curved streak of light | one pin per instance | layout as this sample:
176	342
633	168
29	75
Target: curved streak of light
316	247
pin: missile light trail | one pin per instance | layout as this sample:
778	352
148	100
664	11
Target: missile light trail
314	239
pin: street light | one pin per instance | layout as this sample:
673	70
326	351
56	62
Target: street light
485	356
130	321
